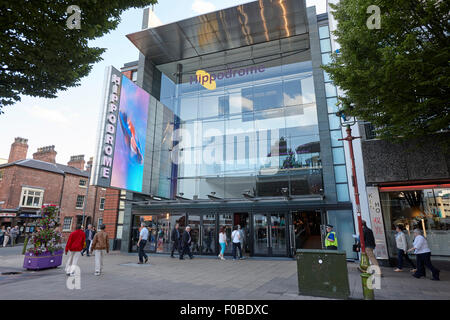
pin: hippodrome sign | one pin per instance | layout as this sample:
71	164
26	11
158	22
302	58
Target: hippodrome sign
208	80
106	135
108	145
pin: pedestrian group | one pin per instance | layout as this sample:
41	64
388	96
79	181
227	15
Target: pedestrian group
88	241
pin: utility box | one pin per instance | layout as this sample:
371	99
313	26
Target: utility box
322	273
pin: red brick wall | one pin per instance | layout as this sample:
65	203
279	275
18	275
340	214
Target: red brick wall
127	74
111	211
49	156
16	177
18	151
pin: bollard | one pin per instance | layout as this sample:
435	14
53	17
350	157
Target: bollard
367	293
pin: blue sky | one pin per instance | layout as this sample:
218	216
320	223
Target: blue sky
70	121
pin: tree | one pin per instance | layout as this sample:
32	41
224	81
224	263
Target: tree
397	77
40	54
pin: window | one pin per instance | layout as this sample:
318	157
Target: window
324	32
1	174
134	76
100	222
32	197
80	202
102	204
67	226
82	183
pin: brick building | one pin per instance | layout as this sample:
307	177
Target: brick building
27	184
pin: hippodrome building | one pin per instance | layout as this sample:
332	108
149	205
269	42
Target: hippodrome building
249	114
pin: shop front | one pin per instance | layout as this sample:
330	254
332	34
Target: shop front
426	207
267	232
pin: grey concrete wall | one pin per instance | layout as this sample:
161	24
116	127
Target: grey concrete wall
322	112
418	159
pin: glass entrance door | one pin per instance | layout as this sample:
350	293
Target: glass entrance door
270	234
260	234
278	239
194	220
209	235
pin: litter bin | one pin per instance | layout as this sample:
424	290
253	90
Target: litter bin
322	273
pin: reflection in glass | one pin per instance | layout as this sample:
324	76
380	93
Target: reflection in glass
342	192
324	32
278	234
261	236
194	222
340	174
429	208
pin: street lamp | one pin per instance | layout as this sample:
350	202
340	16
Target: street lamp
348	122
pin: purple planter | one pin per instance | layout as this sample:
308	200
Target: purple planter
42	261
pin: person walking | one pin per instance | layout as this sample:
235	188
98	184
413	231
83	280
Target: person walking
242	238
236	239
423	255
369	241
6	236
2	235
402	246
143	238
331	241
90	233
175	237
186	240
14	233
74	245
100	246
222	242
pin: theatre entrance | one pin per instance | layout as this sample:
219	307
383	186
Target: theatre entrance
307	230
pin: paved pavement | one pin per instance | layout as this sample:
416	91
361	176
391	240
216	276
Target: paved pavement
201	278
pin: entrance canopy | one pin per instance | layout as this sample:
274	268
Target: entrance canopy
244	25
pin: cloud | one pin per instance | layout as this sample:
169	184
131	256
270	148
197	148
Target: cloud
55	116
201	6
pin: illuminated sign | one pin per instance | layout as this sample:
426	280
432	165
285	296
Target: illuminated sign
121	141
111	125
209	80
106	136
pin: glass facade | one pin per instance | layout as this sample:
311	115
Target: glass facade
241	124
255	132
427	209
334	122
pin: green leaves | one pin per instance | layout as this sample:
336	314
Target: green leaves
396	77
40	55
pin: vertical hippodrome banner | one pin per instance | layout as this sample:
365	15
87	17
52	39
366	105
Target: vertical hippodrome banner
121	137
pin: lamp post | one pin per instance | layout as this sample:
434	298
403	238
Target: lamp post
364	263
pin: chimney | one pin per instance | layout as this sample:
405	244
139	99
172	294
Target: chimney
89	164
19	149
47	154
77	162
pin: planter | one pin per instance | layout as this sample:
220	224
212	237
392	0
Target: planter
42	261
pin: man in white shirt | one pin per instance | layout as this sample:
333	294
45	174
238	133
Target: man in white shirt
402	246
143	237
236	239
423	254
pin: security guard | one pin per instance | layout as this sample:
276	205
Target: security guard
331	242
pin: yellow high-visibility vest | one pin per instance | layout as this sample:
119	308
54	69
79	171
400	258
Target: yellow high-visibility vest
331	239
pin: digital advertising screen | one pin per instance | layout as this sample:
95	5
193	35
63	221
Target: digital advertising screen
129	150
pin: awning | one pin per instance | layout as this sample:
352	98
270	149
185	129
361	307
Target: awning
236	27
414	187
